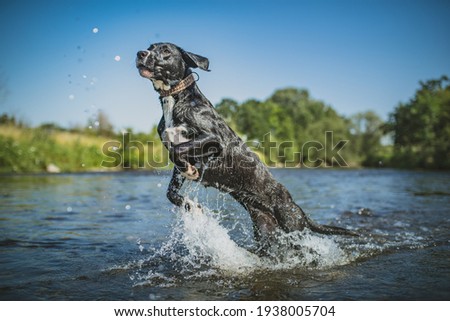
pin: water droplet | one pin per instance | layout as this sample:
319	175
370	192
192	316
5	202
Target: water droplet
95	30
83	164
127	207
117	58
90	127
69	209
159	185
84	76
71	97
97	123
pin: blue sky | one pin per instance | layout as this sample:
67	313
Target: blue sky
354	55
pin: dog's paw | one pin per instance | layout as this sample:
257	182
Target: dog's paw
191	173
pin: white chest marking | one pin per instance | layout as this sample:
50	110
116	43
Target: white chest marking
158	84
167	104
175	135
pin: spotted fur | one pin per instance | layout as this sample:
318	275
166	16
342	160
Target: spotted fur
223	160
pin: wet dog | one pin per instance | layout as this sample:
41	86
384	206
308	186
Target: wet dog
204	148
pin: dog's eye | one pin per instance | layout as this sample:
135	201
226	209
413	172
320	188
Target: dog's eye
166	54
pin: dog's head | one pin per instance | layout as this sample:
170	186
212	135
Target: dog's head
165	64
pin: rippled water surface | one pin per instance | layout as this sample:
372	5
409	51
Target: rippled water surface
116	237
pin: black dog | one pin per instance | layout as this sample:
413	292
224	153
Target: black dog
204	148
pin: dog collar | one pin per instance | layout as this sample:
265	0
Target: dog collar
182	85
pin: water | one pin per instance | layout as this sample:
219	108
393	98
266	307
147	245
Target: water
116	237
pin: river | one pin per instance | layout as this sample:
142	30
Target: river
115	236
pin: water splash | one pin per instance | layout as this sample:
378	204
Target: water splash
307	250
211	243
200	247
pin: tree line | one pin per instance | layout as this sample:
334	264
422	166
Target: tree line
289	129
415	136
421	127
303	131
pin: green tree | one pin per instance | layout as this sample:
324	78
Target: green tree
421	127
293	120
367	132
227	107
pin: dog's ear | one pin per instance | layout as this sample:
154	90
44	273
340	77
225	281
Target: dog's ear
195	61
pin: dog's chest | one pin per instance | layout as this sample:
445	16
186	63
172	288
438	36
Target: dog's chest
167	105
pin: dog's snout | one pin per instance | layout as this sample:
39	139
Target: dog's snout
142	54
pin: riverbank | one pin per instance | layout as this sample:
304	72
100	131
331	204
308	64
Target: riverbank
53	150
50	149
35	150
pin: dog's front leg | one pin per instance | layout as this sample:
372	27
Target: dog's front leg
173	192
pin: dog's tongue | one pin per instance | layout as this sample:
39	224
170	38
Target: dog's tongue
145	72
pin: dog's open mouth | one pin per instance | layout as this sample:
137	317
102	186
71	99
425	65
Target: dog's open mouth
145	72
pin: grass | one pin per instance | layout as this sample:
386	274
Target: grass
35	150
32	150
